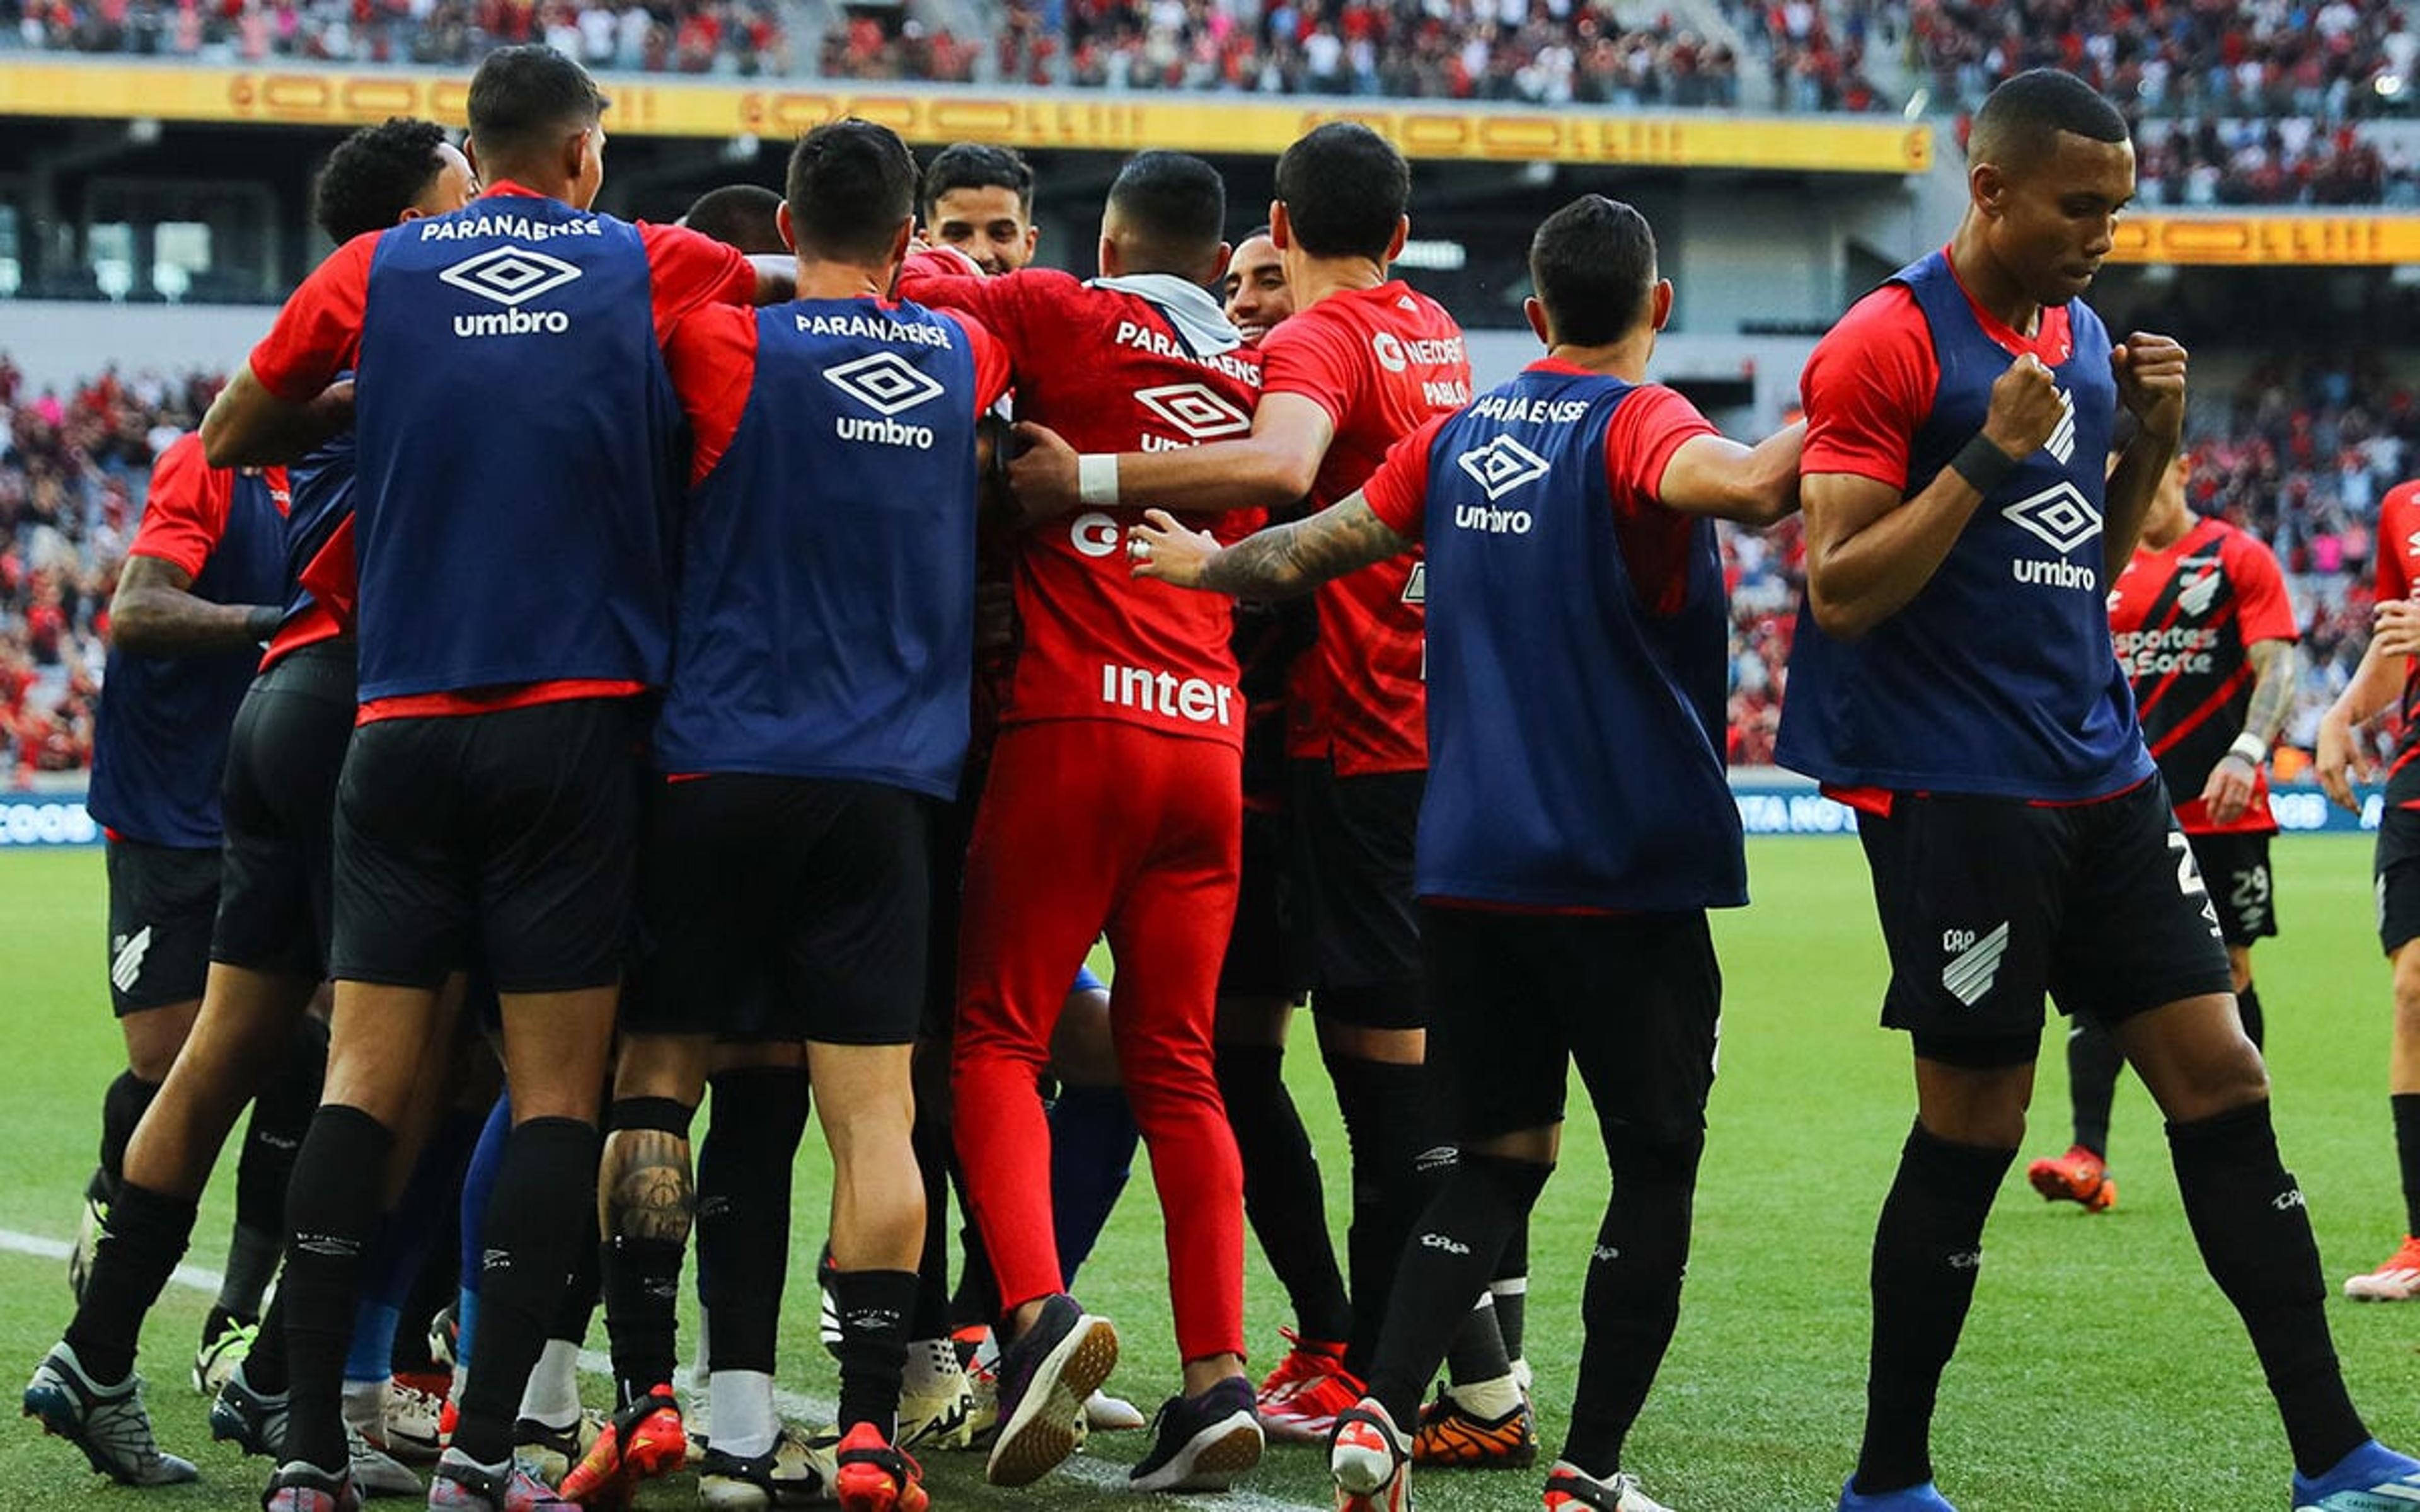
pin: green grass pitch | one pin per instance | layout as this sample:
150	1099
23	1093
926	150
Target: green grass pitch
2101	1370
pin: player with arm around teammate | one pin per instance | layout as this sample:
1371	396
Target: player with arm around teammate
1577	638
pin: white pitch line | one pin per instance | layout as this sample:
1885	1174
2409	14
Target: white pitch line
796	1404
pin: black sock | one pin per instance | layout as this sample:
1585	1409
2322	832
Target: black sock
1390	1120
1283	1195
539	1219
875	1307
147	1236
581	1293
931	1136
281	1116
649	1196
2407	1155
2255	1025
264	1368
332	1211
2092	1067
437	1279
121	1108
977	1299
1477	1352
1460	1236
2255	1233
1633	1299
1927	1247
1510	1285
753	1127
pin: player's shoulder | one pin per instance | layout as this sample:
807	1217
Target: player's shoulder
184	452
1888	314
2403	499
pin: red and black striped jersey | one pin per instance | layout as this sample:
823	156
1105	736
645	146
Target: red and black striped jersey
2185	617
2398	568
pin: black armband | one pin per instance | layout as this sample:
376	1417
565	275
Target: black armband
1982	464
262	623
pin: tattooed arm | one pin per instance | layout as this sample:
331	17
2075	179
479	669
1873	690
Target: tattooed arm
1279	562
2275	667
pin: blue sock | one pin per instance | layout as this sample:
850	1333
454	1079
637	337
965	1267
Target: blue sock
1092	1137
373	1350
478	1180
395	1255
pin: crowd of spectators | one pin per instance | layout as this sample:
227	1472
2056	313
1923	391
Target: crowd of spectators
2299	454
1534	52
2282	161
73	471
2326	59
718	37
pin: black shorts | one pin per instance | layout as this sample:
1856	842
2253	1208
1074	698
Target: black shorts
1635	1000
951	828
508	839
796	906
283	759
1354	837
161	899
2236	867
1268	951
1988	902
2399	877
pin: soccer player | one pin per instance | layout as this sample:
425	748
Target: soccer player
270	939
2388	673
1577	634
198	594
1255	286
746	216
2205	633
1953	679
978	198
513	407
823	653
1111	677
1361	363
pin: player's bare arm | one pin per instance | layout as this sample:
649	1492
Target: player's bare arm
1274	466
1868	553
1279	563
2275	665
249	426
155	613
2395	637
1715	475
2150	371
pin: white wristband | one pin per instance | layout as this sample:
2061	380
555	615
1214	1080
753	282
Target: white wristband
2250	747
1096	478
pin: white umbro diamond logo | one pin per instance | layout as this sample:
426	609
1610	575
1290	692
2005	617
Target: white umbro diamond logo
1193	409
510	275
885	382
2062	436
1501	466
2060	515
1974	967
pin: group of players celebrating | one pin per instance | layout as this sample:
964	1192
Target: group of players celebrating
679	671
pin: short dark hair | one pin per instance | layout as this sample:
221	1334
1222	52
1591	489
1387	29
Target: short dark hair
1344	188
1593	265
738	215
1260	230
976	166
374	176
524	97
1177	206
2020	120
851	183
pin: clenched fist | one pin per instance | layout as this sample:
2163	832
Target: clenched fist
2025	409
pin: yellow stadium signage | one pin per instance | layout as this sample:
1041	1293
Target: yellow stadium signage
1036	118
2279	238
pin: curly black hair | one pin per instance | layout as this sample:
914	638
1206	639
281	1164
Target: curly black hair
374	176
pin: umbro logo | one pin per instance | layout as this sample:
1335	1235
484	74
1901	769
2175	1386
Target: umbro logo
2060	516
1501	466
1194	410
1974	962
885	382
2196	596
510	275
2062	436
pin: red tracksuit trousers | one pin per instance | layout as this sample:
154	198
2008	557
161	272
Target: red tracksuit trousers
1086	826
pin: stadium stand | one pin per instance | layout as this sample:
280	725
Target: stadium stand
72	477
